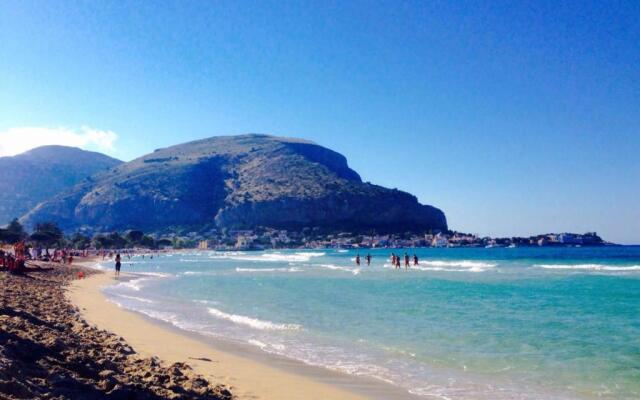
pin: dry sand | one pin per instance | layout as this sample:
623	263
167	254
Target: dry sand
246	377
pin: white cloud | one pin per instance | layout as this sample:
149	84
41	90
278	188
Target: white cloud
20	139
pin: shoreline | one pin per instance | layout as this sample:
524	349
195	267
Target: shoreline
248	372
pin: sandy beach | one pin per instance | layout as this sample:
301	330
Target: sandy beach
248	376
47	349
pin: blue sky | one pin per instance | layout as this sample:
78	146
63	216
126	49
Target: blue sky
514	119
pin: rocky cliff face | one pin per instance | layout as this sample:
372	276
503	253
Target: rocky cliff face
237	182
41	173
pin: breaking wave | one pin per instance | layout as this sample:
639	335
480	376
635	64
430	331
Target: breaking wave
292	269
253	322
269	257
137	283
354	271
590	267
140	299
460	264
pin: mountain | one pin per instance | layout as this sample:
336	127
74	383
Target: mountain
238	182
41	173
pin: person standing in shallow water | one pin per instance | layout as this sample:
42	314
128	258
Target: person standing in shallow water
368	258
118	264
406	260
358	259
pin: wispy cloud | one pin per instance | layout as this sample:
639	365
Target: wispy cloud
20	139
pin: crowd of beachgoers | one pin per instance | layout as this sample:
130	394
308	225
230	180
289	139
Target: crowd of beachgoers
15	258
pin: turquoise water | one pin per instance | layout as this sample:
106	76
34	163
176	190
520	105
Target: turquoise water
522	323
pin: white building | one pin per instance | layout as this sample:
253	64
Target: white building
439	241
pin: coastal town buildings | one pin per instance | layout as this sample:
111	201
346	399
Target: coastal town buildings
274	239
264	238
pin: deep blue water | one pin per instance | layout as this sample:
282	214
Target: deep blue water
499	323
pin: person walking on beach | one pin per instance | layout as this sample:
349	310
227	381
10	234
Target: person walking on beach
397	262
358	259
368	258
406	260
118	264
415	259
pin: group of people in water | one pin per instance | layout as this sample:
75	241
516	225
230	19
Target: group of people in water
395	260
367	258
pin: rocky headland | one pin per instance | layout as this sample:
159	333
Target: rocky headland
236	182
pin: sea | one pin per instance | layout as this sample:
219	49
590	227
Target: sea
466	323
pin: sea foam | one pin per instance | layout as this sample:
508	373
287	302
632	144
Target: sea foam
459	264
591	267
354	271
253	322
140	299
450	266
292	269
136	283
268	347
269	257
